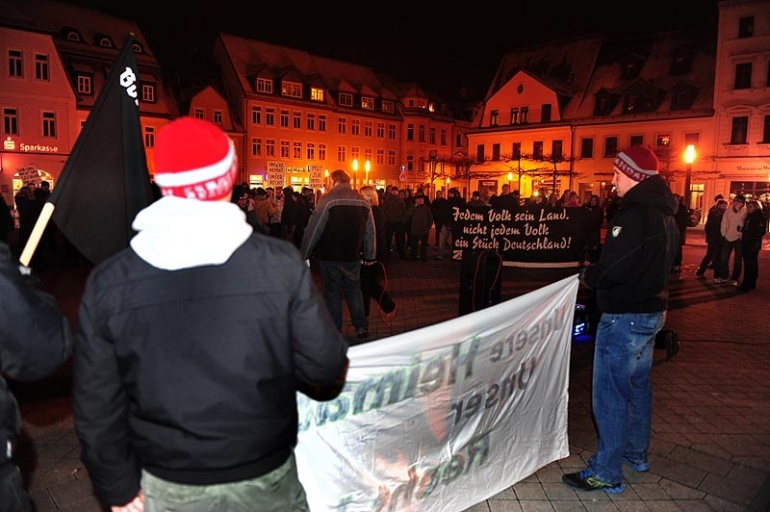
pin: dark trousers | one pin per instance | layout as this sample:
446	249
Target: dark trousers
724	261
712	257
13	496
396	230
418	242
750	270
371	288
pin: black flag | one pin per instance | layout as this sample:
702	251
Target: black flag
105	181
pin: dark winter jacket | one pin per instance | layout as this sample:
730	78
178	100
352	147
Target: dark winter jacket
632	273
35	340
191	347
341	228
713	225
754	229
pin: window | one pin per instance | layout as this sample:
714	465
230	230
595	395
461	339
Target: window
524	112
49	124
368	154
586	148
270	116
256	115
637	140
322	122
631	69
137	48
368	129
516	151
392	131
443	137
557	151
410	132
380	157
291	89
297	120
41	67
355	127
610	147
495	151
682	97
480	153
310	151
545	113
346	100
340	153
493	115
256	147
766	132
409	162
15	68
740	131
322	152
270	147
297	150
316	94
743	76
355	153
310	122
104	42
284	118
85	85
746	27
342	125
537	150
284	149
265	85
422	133
380	130
515	115
388	107
391	157
218	117
199	113
148	93
367	103
149	137
691	138
432	136
664	139
10	121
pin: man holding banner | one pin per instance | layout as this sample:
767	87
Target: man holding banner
631	284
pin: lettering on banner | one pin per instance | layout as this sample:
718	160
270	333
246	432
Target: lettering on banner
275	174
533	235
316	176
28	173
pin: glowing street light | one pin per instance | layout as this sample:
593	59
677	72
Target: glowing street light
689	157
355	173
367	167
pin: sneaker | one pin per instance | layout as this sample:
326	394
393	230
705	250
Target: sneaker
584	481
732	282
719	280
639	467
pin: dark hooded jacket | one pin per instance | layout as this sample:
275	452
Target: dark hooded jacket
632	273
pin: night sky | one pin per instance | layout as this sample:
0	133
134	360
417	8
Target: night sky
440	47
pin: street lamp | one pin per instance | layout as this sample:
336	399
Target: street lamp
367	167
355	173
326	178
433	157
510	179
689	157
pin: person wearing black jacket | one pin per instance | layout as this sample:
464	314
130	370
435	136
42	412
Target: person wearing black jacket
193	343
713	238
630	282
35	340
754	230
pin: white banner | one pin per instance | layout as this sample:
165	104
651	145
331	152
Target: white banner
275	174
441	418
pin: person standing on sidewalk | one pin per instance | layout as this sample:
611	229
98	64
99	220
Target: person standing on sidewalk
630	282
35	340
713	239
732	224
192	344
753	232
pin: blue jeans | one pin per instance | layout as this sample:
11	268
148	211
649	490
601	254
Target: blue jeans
622	391
344	277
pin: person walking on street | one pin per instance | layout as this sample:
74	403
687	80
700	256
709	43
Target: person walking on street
35	340
630	282
713	238
192	344
753	232
419	219
341	232
732	224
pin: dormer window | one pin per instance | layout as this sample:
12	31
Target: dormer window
367	103
682	97
265	85
631	67
346	99
73	35
431	107
388	107
316	94
103	41
137	48
291	89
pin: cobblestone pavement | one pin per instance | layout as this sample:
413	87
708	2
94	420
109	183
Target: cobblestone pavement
711	412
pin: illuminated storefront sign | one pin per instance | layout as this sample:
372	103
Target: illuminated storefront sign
10	145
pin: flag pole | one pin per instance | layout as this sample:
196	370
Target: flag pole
37	234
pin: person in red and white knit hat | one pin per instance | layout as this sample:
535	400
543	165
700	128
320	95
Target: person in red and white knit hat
192	344
630	284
